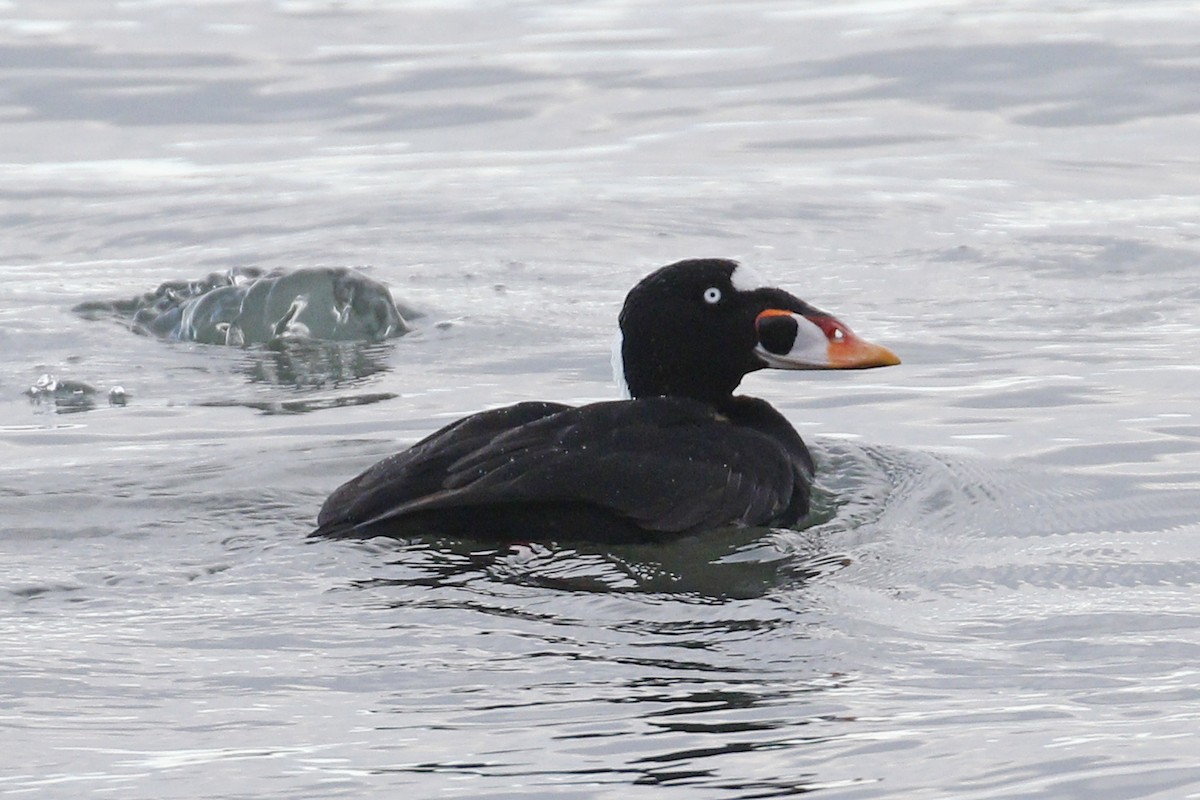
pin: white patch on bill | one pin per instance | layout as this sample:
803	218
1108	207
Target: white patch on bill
810	349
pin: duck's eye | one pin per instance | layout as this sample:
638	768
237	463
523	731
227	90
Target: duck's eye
712	295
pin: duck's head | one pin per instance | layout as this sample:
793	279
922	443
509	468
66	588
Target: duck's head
696	328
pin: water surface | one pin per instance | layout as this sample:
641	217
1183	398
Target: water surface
997	593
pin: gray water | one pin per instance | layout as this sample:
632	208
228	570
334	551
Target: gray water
997	593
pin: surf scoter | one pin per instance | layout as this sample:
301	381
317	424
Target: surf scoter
683	455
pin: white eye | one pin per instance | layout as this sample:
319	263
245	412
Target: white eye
712	295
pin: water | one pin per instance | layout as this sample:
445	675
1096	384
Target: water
997	595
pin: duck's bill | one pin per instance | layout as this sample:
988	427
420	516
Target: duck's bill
787	340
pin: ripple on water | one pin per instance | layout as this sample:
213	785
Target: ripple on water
924	584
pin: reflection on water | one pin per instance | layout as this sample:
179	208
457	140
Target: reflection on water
316	375
301	406
736	563
306	367
313	365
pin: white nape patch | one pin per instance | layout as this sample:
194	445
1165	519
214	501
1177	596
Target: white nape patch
618	366
744	279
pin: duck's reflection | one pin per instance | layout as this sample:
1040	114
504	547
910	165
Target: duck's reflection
717	566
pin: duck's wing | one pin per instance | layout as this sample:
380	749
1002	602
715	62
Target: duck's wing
421	470
663	464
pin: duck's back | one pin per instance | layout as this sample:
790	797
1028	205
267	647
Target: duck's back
420	470
624	470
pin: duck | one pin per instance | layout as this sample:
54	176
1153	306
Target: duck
682	454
